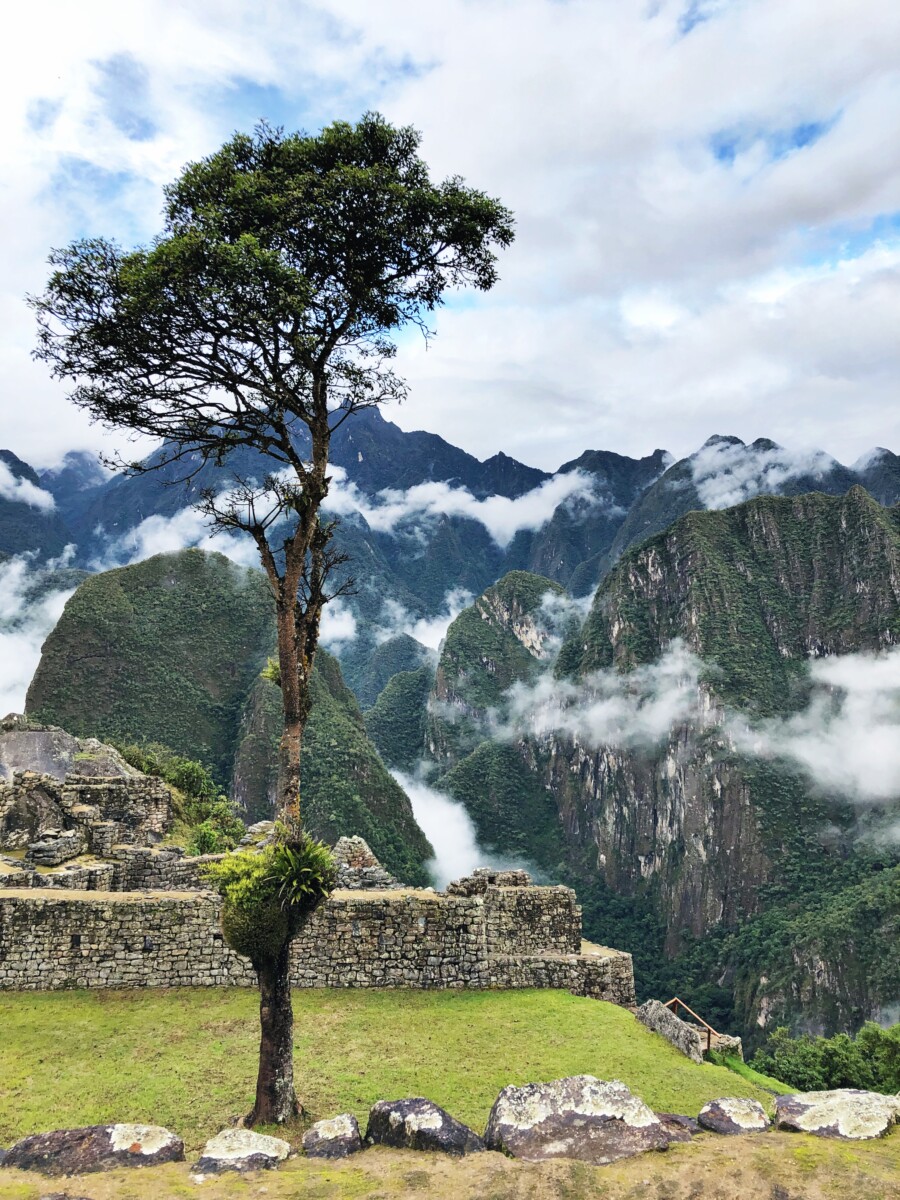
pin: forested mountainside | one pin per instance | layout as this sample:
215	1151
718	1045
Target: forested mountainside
736	866
727	872
170	650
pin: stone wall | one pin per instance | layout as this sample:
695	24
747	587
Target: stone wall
125	869
103	811
55	939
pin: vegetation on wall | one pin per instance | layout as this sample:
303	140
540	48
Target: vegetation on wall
208	821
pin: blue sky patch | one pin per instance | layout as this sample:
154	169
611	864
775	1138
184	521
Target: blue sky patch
727	144
123	88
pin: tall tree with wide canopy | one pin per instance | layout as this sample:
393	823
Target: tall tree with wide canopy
262	317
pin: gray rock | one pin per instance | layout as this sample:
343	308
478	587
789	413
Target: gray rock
241	1150
578	1117
48	750
95	1148
482	878
358	868
734	1115
417	1124
678	1127
678	1033
335	1138
843	1113
732	1046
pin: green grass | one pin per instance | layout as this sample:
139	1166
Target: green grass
185	1058
767	1082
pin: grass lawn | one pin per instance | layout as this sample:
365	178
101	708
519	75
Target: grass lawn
186	1058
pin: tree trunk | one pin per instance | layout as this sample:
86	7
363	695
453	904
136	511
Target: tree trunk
292	733
276	1101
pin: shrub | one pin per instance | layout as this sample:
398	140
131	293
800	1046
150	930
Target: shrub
871	1060
214	825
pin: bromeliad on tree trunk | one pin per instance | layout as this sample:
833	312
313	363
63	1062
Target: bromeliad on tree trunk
267	897
259	321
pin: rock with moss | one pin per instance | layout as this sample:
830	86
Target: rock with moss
579	1117
732	1115
419	1124
241	1150
847	1113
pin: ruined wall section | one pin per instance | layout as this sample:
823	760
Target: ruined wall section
54	939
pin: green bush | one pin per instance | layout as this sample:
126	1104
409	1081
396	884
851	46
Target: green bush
214	825
268	894
871	1060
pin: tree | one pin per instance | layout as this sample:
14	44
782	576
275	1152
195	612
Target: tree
261	317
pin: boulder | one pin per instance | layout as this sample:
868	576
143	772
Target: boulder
241	1150
47	750
733	1114
843	1113
335	1138
95	1148
733	1047
417	1124
678	1127
579	1117
678	1033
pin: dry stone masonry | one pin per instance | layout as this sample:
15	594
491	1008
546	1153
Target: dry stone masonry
89	899
54	939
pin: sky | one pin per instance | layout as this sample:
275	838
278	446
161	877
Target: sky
706	192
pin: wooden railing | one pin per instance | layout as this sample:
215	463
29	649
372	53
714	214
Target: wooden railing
675	1004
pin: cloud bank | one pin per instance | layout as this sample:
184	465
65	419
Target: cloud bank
22	491
449	828
727	473
847	739
395	620
639	708
24	625
392	509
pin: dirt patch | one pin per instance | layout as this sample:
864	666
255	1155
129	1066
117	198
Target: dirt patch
771	1166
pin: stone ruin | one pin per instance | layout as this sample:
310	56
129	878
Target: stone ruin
89	898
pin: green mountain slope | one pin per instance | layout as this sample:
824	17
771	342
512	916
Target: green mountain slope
682	849
165	649
170	650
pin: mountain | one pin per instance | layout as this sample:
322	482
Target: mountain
170	650
680	844
725	471
29	519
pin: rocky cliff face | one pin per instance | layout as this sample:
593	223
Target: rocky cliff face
681	826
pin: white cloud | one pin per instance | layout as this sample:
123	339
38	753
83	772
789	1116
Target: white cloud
24	625
392	509
609	708
23	491
727	473
449	828
847	739
166	535
657	291
394	620
338	624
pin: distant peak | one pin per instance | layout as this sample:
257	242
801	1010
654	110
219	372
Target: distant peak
722	439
